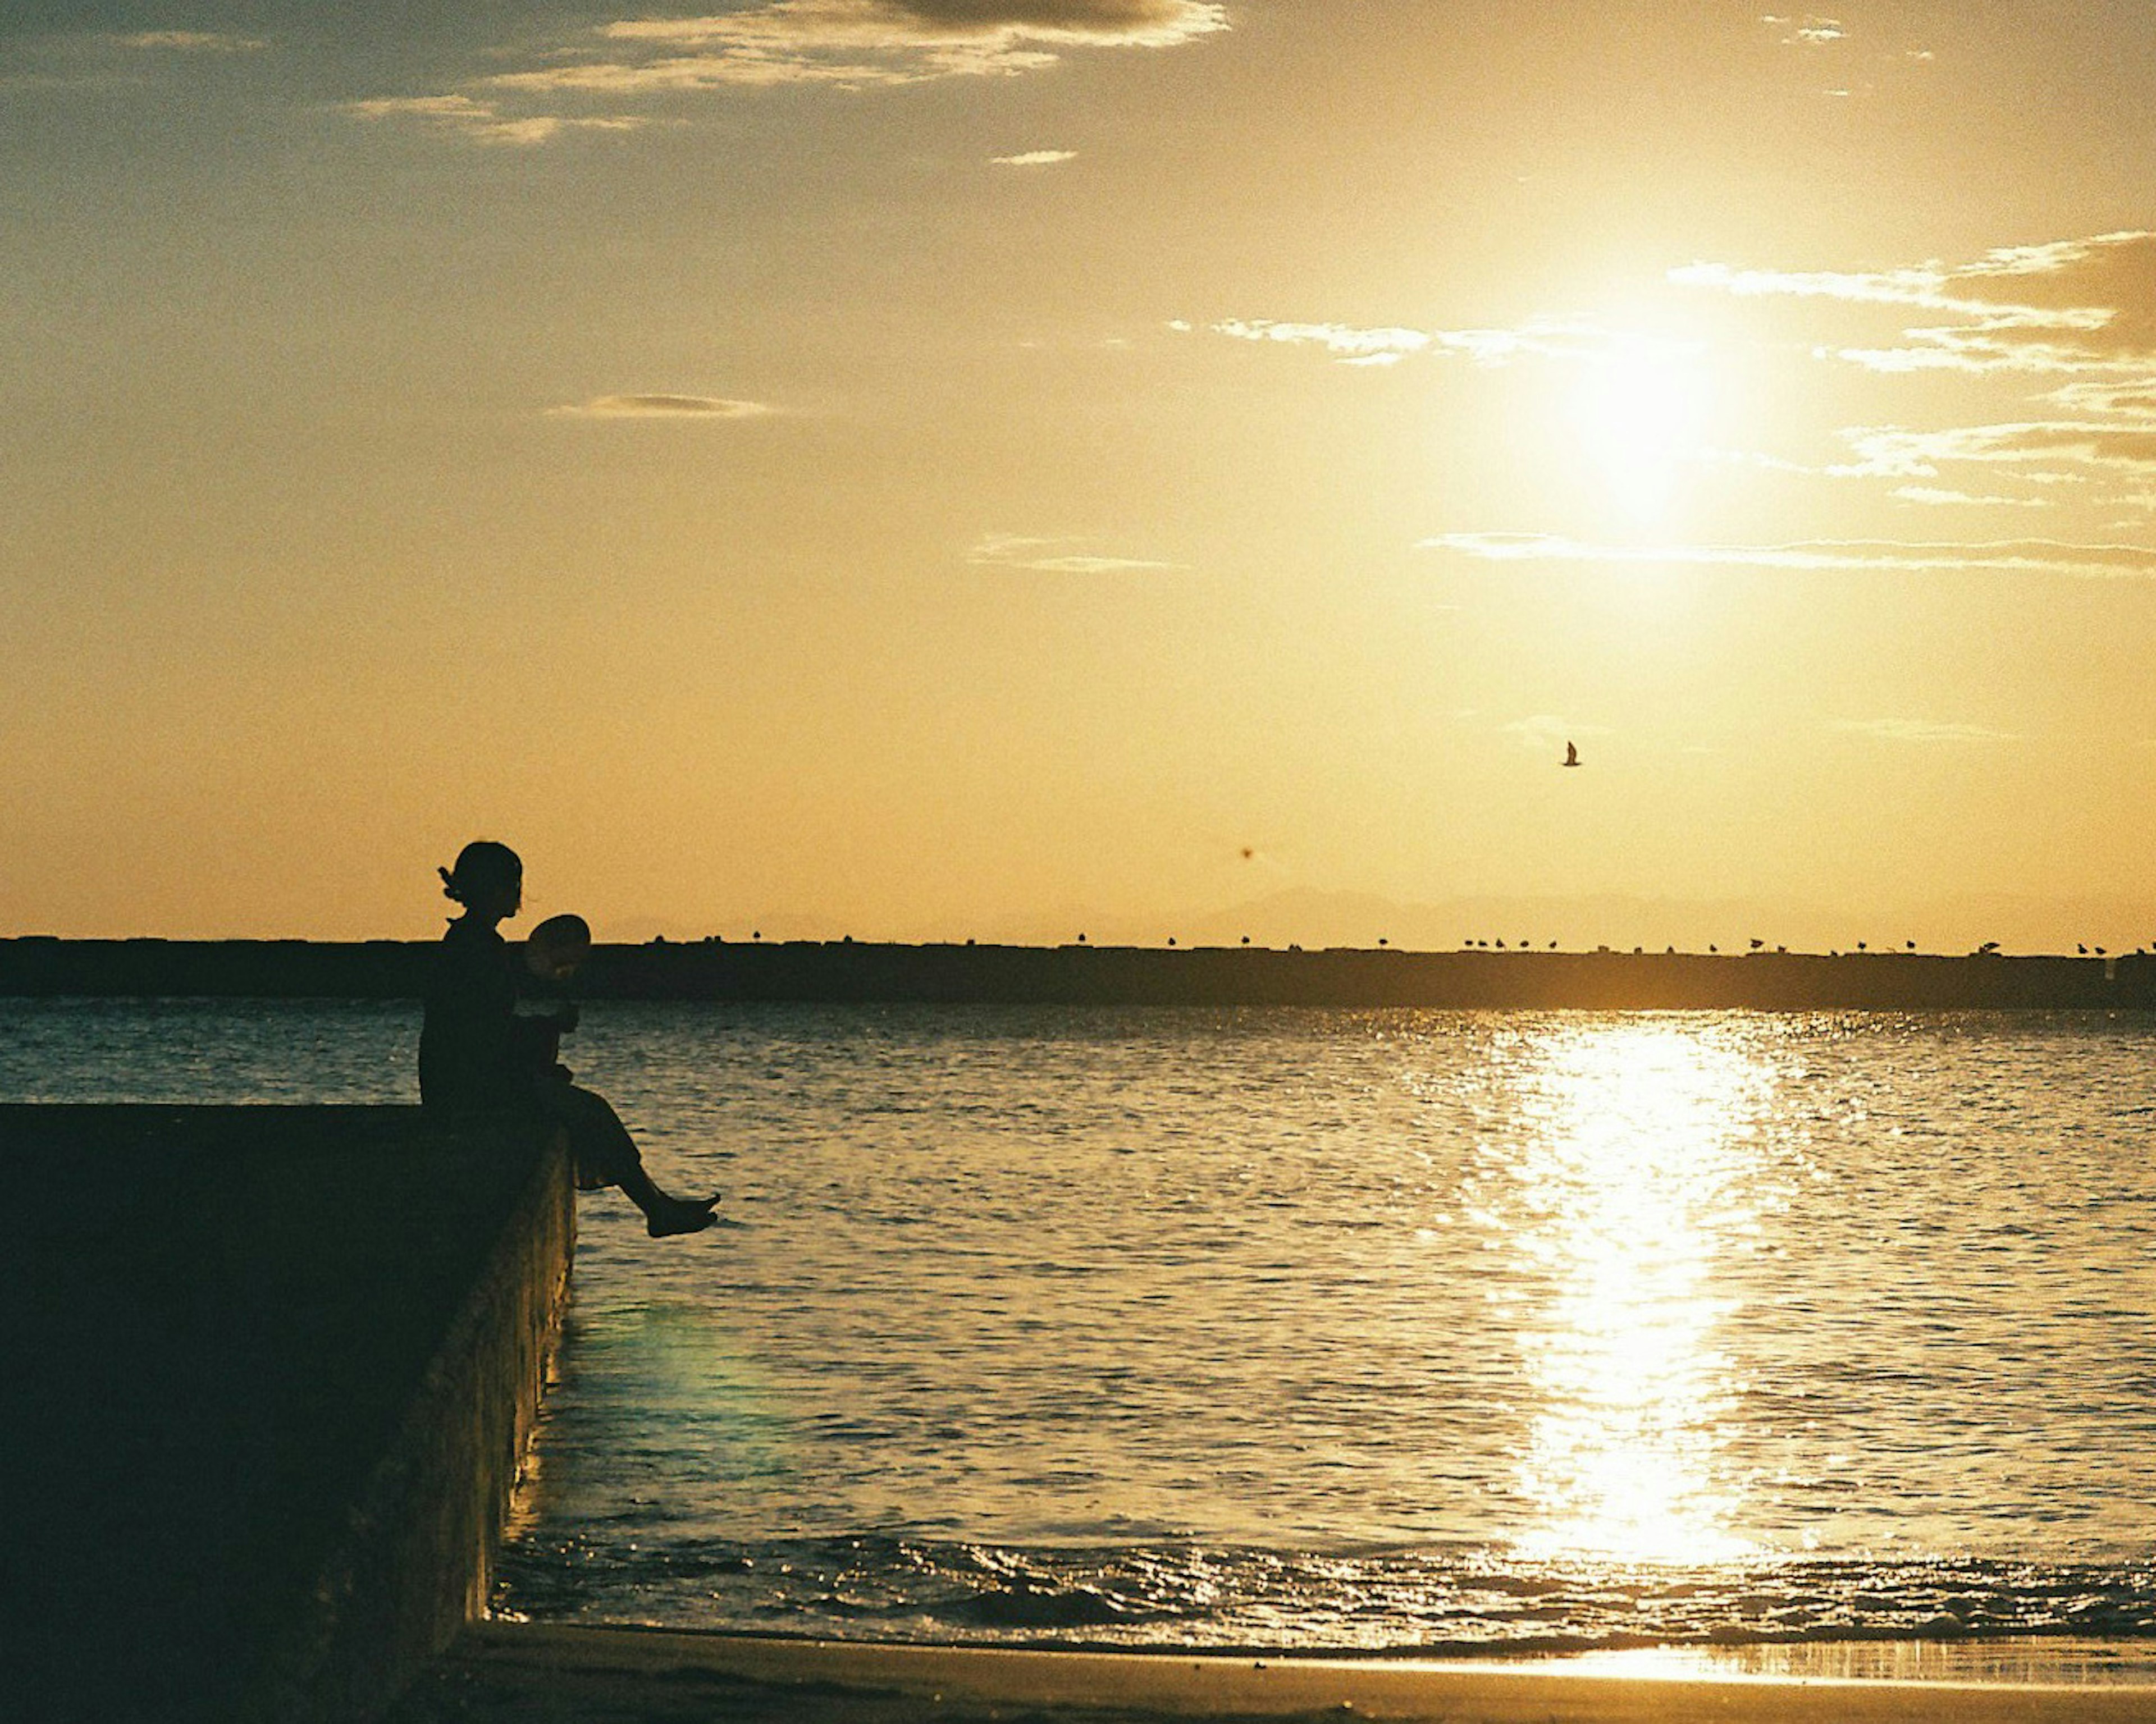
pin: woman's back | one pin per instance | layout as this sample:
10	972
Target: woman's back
469	1056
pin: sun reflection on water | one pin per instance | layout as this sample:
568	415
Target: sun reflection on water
1632	1180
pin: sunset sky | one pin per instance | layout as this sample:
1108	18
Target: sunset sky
924	468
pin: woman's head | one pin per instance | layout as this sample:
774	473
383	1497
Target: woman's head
488	877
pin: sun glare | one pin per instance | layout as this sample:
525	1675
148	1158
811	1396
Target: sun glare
1630	1194
1639	413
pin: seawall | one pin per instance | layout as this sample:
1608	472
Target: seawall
866	972
276	1372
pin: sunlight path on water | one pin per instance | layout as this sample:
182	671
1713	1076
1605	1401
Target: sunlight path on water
1635	1172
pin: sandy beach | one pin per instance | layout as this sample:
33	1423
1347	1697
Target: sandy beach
505	1671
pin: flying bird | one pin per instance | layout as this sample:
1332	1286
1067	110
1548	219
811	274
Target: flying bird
1571	755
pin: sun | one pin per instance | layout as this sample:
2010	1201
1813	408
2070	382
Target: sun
1639	412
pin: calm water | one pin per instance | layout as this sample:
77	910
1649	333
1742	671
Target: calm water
1298	1328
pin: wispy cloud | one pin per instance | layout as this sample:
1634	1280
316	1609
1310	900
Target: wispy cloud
484	121
1942	497
1808	31
2003	556
1353	345
2133	397
698	407
1056	556
2078	316
863	43
855	44
1890	452
2064	307
1922	731
1036	158
188	42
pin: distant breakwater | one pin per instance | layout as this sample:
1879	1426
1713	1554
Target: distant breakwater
865	973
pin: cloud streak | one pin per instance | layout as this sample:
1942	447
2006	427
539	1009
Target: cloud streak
1809	31
2065	306
1940	496
484	121
188	42
1887	452
1386	346
2047	557
1056	556
700	408
2078	314
855	44
1925	731
861	44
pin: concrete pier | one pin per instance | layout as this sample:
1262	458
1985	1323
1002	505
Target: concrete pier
272	1373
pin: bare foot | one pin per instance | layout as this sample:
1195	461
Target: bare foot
677	1215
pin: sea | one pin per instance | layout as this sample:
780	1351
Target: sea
1297	1330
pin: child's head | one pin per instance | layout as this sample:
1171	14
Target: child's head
553	949
488	878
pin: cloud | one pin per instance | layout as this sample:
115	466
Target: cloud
1884	556
1924	731
2042	445
2063	307
1386	346
1055	555
484	121
863	43
188	42
661	406
852	43
1036	158
2129	397
1808	31
1931	494
1356	346
2078	314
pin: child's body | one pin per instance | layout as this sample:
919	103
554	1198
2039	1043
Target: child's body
554	951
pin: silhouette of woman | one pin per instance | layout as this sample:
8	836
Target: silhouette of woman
478	1055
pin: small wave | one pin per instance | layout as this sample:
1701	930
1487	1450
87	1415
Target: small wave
1226	1598
1034	1606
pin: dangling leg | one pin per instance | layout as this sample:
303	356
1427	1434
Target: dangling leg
607	1155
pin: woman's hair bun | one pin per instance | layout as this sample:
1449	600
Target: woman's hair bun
482	867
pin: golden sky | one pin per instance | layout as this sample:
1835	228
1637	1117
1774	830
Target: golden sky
922	468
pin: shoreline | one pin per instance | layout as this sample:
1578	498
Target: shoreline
501	1670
